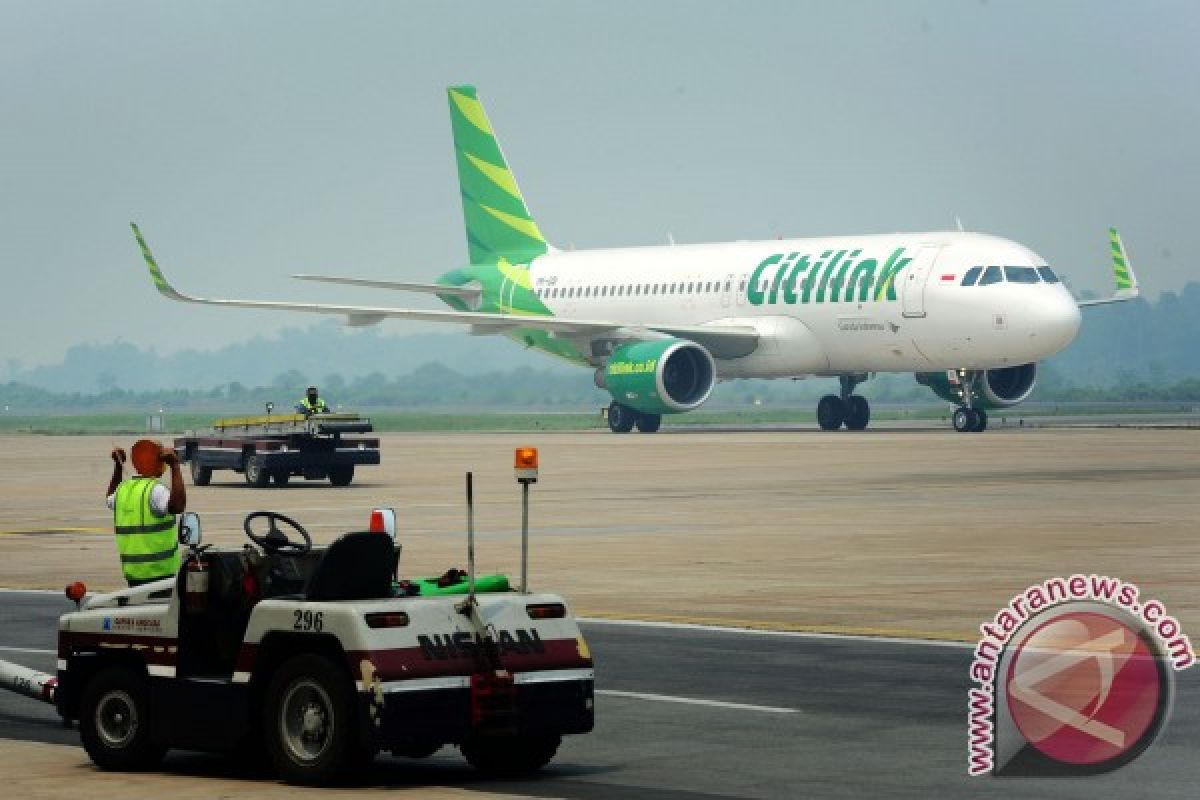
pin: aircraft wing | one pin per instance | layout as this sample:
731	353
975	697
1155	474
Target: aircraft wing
722	340
468	292
1123	276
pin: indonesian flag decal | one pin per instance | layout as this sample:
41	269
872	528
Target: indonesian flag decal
948	277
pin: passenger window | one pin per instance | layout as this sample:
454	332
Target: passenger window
1047	275
991	275
728	284
1021	274
971	276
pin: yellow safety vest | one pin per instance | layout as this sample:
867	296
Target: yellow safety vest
314	408
146	541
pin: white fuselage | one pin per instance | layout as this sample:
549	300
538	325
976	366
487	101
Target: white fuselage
887	303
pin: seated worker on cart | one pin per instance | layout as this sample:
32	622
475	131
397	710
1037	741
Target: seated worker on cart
311	404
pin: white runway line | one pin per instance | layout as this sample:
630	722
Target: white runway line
696	701
33	650
849	637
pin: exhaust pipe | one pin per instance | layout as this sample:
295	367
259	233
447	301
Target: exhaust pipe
28	682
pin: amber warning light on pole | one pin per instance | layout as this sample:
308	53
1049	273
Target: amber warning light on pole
525	464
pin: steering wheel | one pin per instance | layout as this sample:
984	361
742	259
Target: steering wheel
275	540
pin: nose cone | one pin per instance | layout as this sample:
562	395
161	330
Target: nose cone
1055	321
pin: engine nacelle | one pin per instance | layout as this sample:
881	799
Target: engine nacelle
995	388
661	376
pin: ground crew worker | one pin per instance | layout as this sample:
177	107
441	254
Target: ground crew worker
311	404
144	513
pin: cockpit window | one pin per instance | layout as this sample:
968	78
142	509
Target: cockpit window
971	276
1021	274
1047	275
991	275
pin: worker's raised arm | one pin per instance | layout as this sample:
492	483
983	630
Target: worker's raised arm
118	457
177	502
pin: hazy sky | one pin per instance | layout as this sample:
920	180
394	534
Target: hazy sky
252	140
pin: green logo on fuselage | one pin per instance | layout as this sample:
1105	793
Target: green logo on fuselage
835	277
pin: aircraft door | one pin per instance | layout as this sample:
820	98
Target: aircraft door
916	277
727	290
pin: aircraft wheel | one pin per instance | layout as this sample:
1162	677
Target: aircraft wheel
858	413
114	721
965	420
201	476
621	418
830	412
308	721
982	422
649	423
510	756
256	475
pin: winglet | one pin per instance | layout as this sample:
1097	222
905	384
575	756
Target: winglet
160	281
1126	280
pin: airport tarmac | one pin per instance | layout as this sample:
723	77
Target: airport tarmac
897	530
681	714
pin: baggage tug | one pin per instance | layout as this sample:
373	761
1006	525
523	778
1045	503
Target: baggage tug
321	657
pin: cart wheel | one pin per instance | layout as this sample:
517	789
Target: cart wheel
281	476
308	721
201	476
114	722
255	475
341	475
510	756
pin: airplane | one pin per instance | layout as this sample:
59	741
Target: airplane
969	314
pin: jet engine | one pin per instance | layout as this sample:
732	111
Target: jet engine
660	376
993	388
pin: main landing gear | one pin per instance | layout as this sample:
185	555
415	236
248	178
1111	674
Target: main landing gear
623	419
849	409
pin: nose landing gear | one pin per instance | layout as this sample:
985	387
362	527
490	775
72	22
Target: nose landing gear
968	419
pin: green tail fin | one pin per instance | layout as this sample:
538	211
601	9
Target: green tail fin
498	222
1122	269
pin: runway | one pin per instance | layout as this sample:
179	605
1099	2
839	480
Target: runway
762	716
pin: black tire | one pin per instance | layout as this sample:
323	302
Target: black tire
201	476
341	475
114	721
964	420
281	477
621	418
858	413
309	722
830	412
649	423
255	473
981	421
510	756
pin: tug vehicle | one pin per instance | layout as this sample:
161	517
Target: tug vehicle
320	657
272	448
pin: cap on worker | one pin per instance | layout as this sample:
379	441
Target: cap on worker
146	455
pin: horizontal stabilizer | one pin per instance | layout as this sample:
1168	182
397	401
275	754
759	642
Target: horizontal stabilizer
468	291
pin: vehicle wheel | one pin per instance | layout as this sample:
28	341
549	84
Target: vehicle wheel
255	474
114	721
510	756
858	413
830	412
981	421
965	420
281	477
621	418
649	423
341	475
201	476
308	721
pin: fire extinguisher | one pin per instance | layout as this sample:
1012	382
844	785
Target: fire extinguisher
197	584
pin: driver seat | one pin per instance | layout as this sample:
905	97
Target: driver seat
357	566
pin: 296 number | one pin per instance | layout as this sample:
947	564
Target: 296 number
308	620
